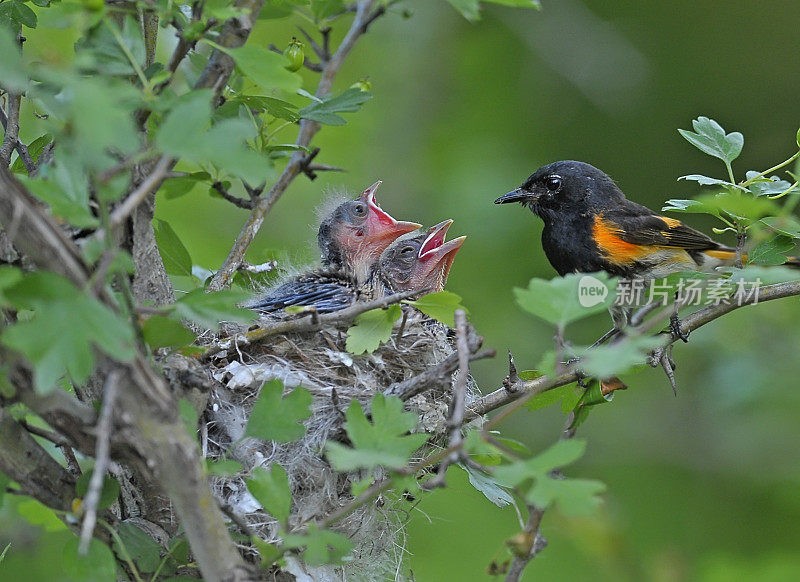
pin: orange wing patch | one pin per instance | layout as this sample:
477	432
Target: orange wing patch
616	250
671	222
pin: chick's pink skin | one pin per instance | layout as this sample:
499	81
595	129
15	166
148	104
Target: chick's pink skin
435	259
363	241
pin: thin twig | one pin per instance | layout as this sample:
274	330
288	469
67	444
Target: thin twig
10	139
523	390
235	200
149	184
307	131
50	435
531	540
102	451
305	324
456	416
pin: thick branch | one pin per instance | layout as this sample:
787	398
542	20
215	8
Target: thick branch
522	390
295	165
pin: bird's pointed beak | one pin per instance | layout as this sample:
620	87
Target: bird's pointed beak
435	257
518	195
382	225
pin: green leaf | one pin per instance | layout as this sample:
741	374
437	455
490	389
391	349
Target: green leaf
177	260
264	68
209	309
322	546
100	51
108	492
184	134
711	139
144	550
322	9
271	490
440	306
371	329
325	112
278	418
574	496
689	206
223	468
189	416
706	181
771	252
269	553
607	360
740	206
489	486
469	9
177	187
518	3
162	332
66	191
97	564
786	225
566	299
16	13
275	107
35	149
65	330
381	442
767	186
12	71
549	397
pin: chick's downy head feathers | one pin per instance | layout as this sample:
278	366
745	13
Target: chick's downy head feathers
355	234
420	261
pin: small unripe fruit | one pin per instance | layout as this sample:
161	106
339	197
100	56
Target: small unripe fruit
294	55
362	84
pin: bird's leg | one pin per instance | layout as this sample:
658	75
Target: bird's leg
675	328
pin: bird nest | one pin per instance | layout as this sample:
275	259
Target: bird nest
319	362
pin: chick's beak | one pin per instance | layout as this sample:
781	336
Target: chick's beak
381	226
436	257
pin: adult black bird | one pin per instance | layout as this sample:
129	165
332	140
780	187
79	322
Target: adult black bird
351	239
589	226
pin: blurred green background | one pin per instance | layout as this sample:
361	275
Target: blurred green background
702	487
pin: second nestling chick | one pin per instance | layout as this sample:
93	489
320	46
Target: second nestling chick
351	239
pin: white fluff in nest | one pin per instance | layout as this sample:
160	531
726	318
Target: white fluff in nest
319	363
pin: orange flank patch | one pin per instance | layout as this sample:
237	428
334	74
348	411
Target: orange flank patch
671	222
616	250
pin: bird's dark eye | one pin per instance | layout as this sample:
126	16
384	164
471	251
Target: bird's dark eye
553	183
406	252
359	209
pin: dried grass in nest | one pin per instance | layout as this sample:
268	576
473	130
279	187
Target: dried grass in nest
319	362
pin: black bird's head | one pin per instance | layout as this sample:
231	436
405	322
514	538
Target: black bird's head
420	261
355	234
562	186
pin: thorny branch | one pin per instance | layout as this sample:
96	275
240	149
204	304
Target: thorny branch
308	129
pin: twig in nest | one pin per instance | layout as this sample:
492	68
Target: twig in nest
456	417
101	461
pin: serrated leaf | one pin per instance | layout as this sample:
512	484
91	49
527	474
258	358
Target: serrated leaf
740	206
549	397
566	299
276	417
518	3
322	546
264	68
349	100
66	191
440	306
558	455
99	51
710	138
786	225
371	329
177	260
322	9
608	360
65	330
209	309
767	186
487	485
271	490
707	181
771	252
382	442
275	107
97	564
573	496
690	206
162	332
144	550
109	490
